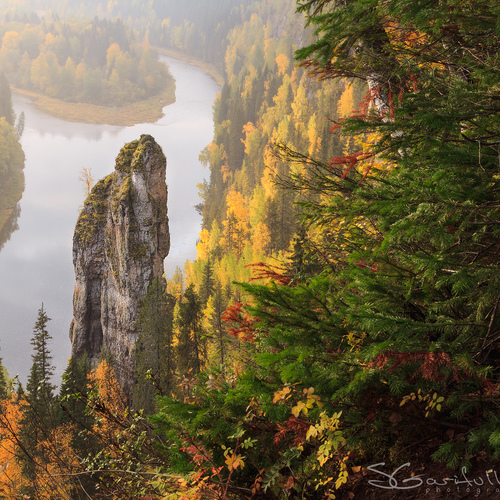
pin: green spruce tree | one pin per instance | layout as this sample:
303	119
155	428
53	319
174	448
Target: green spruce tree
190	347
38	414
155	354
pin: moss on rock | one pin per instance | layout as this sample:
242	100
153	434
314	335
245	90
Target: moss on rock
94	211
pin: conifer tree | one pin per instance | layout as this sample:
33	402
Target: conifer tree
73	395
390	317
190	346
38	413
221	339
155	356
207	282
4	382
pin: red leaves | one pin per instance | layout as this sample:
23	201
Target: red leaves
271	273
449	30
245	330
297	426
432	363
197	453
245	323
351	161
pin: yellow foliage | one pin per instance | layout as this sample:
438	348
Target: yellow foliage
313	136
50	39
11	40
261	238
113	52
236	226
283	63
247	129
208	314
373	163
202	246
305	406
109	395
267	179
233	460
345	105
432	402
247	89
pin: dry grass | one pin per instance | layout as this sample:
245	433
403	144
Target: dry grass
146	111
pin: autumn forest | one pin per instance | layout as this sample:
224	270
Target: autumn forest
341	317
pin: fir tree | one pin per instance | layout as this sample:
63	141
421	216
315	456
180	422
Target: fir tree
38	414
4	382
190	345
207	282
74	392
155	356
391	320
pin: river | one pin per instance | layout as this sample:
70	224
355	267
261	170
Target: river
36	263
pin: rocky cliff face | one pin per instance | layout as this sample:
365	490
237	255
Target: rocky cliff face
121	240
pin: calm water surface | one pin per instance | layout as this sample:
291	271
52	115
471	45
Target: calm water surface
36	263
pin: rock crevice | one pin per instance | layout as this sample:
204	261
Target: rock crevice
121	240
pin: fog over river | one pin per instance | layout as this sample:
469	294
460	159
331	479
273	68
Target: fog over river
36	263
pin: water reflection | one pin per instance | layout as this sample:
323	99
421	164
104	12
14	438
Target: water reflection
10	226
36	263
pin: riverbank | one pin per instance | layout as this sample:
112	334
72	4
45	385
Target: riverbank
206	67
145	111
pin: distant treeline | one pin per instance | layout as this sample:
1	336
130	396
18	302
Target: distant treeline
198	28
99	61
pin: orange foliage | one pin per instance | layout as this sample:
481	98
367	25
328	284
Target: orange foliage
10	470
350	161
110	403
54	480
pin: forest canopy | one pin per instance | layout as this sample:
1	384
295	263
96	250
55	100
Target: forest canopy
99	62
343	309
